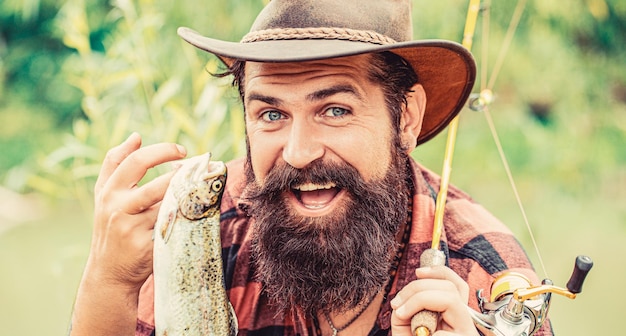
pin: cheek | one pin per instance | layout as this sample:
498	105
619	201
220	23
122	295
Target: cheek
262	154
369	153
378	162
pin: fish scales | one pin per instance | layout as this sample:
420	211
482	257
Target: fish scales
189	294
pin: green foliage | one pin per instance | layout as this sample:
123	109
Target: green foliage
33	99
144	79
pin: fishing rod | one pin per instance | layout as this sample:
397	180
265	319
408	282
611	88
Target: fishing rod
516	307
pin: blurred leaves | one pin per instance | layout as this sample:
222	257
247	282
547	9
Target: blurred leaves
145	79
72	21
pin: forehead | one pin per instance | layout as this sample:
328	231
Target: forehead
353	67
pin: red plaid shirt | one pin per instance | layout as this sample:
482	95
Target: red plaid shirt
477	245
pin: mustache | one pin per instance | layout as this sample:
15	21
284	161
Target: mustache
284	177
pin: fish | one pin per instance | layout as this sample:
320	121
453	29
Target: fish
190	298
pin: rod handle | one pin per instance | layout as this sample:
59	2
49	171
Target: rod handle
424	323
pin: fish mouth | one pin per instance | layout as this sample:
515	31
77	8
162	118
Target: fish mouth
201	167
315	199
215	168
206	169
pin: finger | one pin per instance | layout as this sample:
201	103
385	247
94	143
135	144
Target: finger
444	273
433	300
114	157
135	166
446	333
454	313
457	319
421	285
436	272
406	300
149	194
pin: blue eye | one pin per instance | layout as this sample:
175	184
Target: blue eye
336	112
271	116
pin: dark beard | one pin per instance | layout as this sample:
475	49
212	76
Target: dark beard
330	263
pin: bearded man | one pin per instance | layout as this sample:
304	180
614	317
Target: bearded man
325	219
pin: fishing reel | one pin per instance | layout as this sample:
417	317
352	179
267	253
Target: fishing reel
517	308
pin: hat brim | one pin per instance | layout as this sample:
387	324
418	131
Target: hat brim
445	69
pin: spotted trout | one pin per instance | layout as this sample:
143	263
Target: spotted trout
189	294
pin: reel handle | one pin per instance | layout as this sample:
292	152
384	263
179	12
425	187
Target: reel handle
582	266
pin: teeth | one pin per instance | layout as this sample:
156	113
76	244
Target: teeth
312	186
314	207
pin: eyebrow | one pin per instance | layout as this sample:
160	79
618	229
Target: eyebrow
333	90
314	96
263	98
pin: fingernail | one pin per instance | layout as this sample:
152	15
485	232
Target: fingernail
421	271
132	136
181	150
400	311
395	302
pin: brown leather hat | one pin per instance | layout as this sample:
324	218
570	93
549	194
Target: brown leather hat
305	30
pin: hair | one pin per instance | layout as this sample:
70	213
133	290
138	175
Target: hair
393	73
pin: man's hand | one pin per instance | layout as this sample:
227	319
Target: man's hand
120	259
437	289
125	213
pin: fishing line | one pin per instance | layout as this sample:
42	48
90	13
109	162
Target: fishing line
509	175
513	25
506	43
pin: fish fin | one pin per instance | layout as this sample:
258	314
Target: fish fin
168	227
234	325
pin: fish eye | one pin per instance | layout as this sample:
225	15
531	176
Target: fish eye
217	185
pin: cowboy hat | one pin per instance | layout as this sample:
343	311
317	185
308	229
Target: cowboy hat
306	30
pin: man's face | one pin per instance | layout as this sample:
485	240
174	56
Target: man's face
297	113
327	182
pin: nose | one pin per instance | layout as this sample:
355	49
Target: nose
303	145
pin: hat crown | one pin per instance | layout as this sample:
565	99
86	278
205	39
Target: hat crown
391	18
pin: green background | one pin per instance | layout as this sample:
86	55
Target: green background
77	76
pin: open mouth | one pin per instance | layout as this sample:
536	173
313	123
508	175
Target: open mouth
313	198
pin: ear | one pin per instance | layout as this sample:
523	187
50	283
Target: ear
412	117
